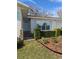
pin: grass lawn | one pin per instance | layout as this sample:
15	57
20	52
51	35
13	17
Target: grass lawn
34	50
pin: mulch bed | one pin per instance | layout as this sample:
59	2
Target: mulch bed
53	46
56	47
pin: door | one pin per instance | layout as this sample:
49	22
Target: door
26	24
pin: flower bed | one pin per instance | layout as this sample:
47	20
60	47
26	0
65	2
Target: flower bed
53	44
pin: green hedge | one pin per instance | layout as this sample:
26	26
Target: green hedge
47	33
59	32
38	34
51	33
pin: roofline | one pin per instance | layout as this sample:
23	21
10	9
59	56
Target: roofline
22	4
41	17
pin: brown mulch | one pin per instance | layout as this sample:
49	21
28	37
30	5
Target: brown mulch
53	46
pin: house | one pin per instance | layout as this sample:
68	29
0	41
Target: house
28	19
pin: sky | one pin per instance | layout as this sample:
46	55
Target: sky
50	6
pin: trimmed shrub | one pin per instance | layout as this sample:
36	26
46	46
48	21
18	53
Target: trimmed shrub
32	34
59	31
37	33
47	33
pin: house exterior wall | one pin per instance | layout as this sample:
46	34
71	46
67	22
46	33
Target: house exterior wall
47	21
33	24
19	18
54	23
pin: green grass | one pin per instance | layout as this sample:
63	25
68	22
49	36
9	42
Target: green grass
34	50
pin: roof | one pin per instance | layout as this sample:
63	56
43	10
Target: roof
22	4
44	17
25	5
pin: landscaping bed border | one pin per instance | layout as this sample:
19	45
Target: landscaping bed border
49	48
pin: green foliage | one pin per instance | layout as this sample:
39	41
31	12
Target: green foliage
32	35
59	32
48	33
37	33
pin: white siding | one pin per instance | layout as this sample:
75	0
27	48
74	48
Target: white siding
41	22
56	24
52	22
33	24
19	17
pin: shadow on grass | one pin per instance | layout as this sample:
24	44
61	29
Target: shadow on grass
20	44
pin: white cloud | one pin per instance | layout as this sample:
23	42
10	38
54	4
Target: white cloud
55	0
59	0
51	0
59	12
51	13
55	12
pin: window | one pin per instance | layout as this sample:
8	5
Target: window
44	26
48	27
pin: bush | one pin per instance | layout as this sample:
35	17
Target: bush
59	32
32	34
37	33
47	33
20	43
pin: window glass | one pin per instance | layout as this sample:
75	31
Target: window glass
47	27
44	25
